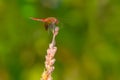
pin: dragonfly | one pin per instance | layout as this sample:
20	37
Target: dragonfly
49	22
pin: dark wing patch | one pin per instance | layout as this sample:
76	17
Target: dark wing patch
46	26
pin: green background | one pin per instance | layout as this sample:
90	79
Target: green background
88	41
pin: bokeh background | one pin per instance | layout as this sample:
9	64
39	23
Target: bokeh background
88	42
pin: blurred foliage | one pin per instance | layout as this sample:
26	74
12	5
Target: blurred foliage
88	42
